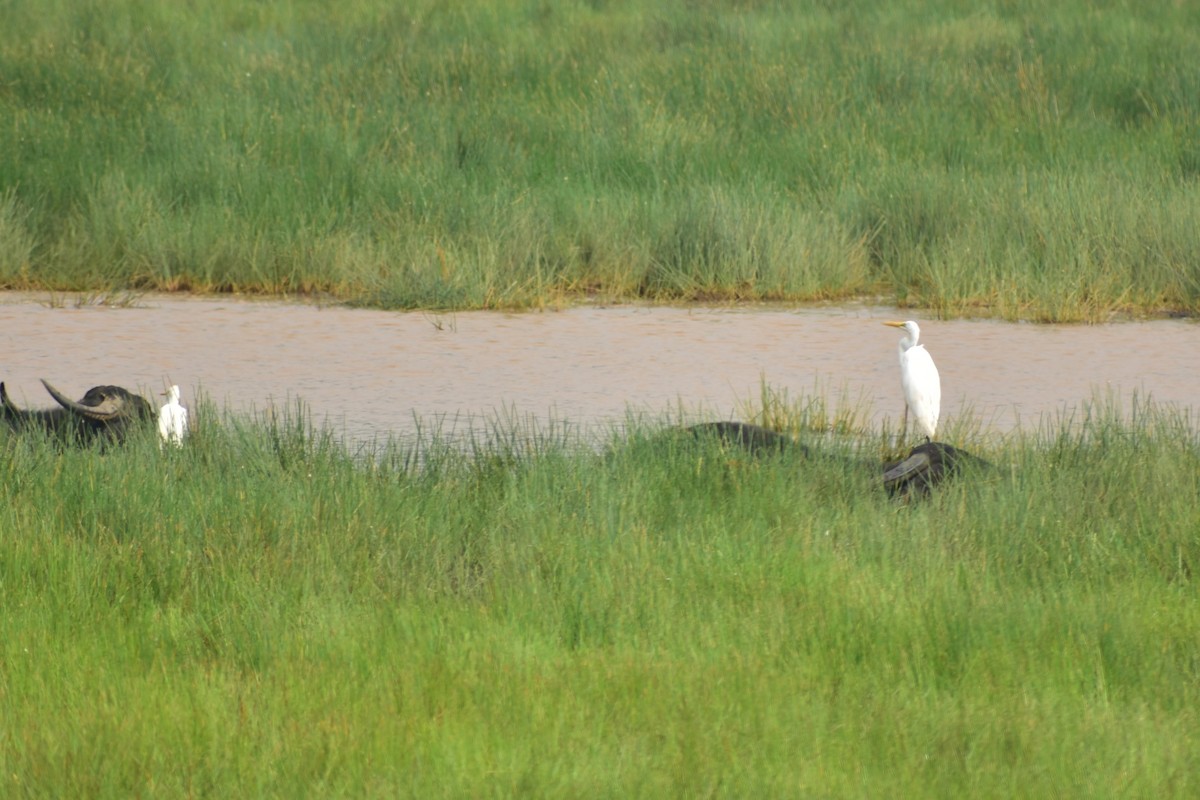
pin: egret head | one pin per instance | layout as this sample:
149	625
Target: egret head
911	328
172	394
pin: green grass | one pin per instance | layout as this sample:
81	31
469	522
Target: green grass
265	613
1008	159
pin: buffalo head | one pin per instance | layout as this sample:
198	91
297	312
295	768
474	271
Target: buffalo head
104	413
927	466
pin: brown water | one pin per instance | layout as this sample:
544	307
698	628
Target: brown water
375	373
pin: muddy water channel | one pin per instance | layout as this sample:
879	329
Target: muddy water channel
373	374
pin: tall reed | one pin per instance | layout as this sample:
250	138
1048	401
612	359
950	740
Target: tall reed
1013	160
266	612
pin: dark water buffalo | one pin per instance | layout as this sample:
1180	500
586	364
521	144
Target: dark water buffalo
754	438
105	414
926	465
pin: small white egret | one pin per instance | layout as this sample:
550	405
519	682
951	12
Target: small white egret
920	380
172	419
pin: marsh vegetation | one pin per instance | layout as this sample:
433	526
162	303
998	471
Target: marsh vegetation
265	613
1015	160
269	611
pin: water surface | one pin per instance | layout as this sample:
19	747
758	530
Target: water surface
375	373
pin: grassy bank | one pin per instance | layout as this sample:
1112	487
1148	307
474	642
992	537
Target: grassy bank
262	614
1007	159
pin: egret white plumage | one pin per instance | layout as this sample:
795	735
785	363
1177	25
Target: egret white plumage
920	380
172	419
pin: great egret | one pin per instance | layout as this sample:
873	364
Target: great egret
920	380
172	419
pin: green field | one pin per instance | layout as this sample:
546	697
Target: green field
1011	158
270	612
264	614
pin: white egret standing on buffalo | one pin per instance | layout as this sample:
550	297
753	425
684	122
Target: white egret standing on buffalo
920	380
172	419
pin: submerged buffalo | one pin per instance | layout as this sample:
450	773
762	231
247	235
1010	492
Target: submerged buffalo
926	465
105	414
